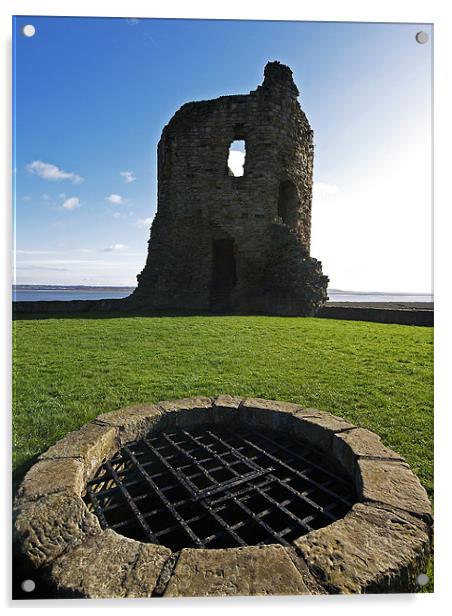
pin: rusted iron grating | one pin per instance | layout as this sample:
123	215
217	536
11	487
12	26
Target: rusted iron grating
217	487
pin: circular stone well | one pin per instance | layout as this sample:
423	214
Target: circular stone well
222	496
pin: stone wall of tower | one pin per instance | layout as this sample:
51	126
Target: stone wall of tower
264	215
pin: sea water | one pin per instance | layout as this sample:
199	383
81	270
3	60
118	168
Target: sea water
33	293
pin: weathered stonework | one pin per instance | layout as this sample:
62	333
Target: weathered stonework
52	476
368	551
133	422
312	425
46	528
91	444
235	244
109	565
187	412
260	570
380	545
393	485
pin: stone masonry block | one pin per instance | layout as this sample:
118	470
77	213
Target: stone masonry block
226	408
370	550
44	529
110	566
260	570
133	422
52	476
270	413
187	412
359	443
393	484
93	444
318	428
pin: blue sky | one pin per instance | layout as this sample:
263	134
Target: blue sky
92	97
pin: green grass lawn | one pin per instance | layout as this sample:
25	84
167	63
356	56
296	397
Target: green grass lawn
68	370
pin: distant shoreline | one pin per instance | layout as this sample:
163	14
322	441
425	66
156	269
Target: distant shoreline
96	288
337	297
50	287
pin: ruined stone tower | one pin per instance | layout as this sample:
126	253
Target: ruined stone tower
235	244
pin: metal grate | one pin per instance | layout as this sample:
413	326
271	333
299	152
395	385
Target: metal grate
217	487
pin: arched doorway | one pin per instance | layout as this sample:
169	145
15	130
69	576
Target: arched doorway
224	276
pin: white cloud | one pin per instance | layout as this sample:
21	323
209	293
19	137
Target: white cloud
58	262
322	189
115	248
118	215
128	176
47	171
145	222
109	269
115	199
71	203
36	252
33	266
236	161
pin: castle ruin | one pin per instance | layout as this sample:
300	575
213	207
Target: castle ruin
226	243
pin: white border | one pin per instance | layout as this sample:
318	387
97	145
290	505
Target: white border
432	11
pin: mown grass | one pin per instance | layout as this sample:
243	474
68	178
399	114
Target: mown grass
68	370
379	376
